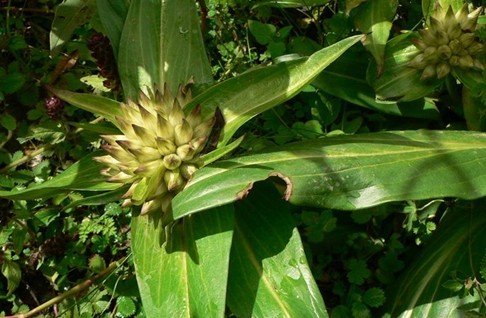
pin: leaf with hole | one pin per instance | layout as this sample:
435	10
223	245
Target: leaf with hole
350	172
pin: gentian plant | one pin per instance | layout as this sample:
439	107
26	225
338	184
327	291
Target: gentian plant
212	231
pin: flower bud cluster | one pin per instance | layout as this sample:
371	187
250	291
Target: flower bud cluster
159	149
448	42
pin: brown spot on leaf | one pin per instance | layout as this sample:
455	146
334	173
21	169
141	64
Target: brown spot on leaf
244	193
282	183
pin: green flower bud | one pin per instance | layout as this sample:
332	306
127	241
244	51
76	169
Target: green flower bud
427	37
186	152
455	45
444	52
118	153
198	143
140	192
430	53
147	169
145	154
143	134
183	133
176	115
454	60
187	170
472	20
476	48
478	65
441	37
466	61
165	146
194	118
172	161
173	180
442	70
122	177
164	128
467	39
461	15
428	72
418	62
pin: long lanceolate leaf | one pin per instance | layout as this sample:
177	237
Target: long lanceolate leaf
83	175
269	275
376	17
186	276
251	93
351	172
161	43
95	104
69	15
113	14
346	79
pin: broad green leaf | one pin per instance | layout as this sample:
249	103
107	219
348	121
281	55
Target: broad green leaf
83	175
375	17
263	32
290	3
351	4
8	122
125	306
474	111
399	82
220	152
69	15
161	42
99	105
113	14
457	246
469	78
11	271
350	172
245	96
187	275
103	128
345	78
269	275
11	82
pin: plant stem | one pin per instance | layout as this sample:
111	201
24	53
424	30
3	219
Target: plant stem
24	159
9	136
72	292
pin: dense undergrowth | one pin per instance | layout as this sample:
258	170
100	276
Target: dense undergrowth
52	244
